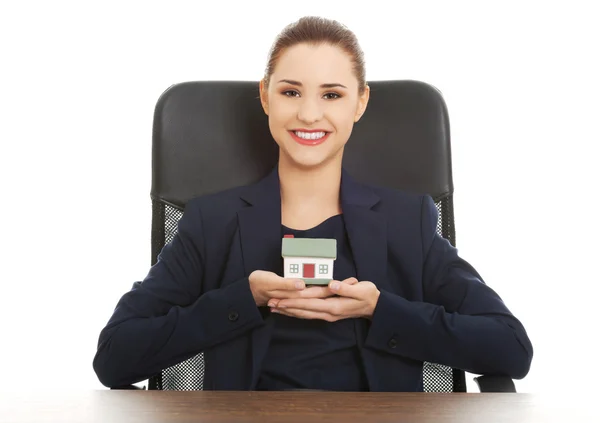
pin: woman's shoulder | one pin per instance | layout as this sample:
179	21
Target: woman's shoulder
219	199
404	209
357	190
397	197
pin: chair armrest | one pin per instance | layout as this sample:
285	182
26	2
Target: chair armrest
495	384
129	387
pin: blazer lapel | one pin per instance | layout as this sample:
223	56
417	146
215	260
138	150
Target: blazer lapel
260	234
260	226
367	231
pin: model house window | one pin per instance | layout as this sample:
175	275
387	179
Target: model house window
294	268
322	269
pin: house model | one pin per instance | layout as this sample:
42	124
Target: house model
310	259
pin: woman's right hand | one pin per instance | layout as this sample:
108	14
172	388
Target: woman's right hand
267	285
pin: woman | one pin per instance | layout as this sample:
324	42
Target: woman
400	294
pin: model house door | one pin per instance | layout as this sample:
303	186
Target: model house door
308	270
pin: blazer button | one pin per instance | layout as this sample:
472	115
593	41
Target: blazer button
233	316
392	343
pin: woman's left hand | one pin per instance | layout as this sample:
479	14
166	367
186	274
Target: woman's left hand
354	299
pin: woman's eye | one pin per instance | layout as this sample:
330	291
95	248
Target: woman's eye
332	96
328	96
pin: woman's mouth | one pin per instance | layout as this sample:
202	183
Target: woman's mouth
309	138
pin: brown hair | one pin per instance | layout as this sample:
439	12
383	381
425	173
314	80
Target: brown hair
315	31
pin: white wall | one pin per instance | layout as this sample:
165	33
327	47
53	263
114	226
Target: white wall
79	81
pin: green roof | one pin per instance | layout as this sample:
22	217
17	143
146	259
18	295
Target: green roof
309	247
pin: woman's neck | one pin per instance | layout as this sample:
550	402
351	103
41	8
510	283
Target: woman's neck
309	196
318	185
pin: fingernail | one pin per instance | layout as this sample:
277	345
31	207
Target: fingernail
271	304
274	310
299	285
335	286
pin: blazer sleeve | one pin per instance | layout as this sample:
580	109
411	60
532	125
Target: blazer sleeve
461	323
165	319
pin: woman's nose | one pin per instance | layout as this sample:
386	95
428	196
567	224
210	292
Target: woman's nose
310	111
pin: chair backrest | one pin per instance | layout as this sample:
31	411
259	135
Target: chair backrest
211	136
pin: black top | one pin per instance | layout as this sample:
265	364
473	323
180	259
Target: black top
316	354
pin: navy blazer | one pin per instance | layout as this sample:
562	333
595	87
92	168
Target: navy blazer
433	305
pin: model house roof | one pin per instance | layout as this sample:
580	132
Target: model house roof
309	247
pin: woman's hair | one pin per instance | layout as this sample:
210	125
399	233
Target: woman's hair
314	30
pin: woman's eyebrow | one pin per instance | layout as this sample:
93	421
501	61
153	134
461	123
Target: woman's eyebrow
299	84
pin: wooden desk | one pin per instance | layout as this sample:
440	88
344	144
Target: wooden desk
265	407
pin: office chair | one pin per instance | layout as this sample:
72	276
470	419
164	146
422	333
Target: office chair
211	136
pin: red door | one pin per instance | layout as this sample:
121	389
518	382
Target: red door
308	270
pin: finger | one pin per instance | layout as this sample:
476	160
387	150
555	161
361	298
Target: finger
285	284
287	293
310	292
349	281
307	314
355	291
316	292
334	306
272	281
273	302
313	304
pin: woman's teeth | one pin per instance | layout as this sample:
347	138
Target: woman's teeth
310	135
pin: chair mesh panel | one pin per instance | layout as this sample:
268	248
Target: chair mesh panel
189	374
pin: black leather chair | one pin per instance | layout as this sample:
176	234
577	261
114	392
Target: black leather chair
210	136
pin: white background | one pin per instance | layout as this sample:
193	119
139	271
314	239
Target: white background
79	81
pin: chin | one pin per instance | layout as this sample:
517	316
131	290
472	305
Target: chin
309	160
306	157
303	162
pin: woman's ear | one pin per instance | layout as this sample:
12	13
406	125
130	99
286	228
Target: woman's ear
363	100
264	100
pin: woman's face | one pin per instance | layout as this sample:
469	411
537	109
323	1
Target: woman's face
312	102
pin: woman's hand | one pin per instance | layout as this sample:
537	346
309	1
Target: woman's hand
352	299
267	285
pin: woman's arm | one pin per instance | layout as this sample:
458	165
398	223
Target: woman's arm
164	320
462	322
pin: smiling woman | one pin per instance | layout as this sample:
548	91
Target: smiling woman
398	294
